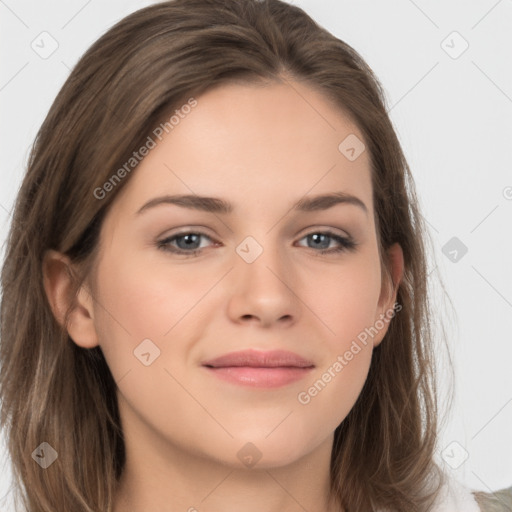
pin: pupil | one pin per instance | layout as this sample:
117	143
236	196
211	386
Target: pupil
189	239
316	237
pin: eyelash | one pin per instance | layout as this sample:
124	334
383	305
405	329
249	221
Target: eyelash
346	243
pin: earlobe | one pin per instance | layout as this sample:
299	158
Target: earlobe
389	290
58	279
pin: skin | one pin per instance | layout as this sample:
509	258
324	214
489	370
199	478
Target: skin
261	148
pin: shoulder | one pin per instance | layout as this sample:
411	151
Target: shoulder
497	501
454	496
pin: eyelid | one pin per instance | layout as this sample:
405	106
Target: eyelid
164	243
199	230
345	241
325	229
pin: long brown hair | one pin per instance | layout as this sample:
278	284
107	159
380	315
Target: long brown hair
144	67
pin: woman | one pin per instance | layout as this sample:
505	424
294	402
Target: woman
288	357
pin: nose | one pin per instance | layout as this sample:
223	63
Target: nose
264	292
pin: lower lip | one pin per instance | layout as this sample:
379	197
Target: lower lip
260	377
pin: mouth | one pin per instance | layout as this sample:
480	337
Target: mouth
259	369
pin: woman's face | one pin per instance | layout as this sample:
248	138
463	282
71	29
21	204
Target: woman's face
258	277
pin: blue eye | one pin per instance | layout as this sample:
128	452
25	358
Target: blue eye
319	238
188	243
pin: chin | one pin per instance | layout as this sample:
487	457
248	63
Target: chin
277	449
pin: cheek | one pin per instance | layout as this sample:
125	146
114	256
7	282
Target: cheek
345	300
346	303
331	394
136	302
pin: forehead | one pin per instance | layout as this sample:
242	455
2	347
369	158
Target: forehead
251	142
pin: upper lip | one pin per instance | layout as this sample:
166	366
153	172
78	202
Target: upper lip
259	359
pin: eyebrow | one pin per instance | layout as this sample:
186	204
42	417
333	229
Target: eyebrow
217	205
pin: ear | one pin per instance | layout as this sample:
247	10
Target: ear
58	278
389	290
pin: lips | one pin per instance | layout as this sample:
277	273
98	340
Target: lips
257	359
259	369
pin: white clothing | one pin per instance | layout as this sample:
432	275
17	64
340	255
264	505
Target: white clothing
454	497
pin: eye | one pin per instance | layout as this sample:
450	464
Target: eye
188	243
322	239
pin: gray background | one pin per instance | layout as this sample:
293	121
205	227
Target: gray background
452	110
